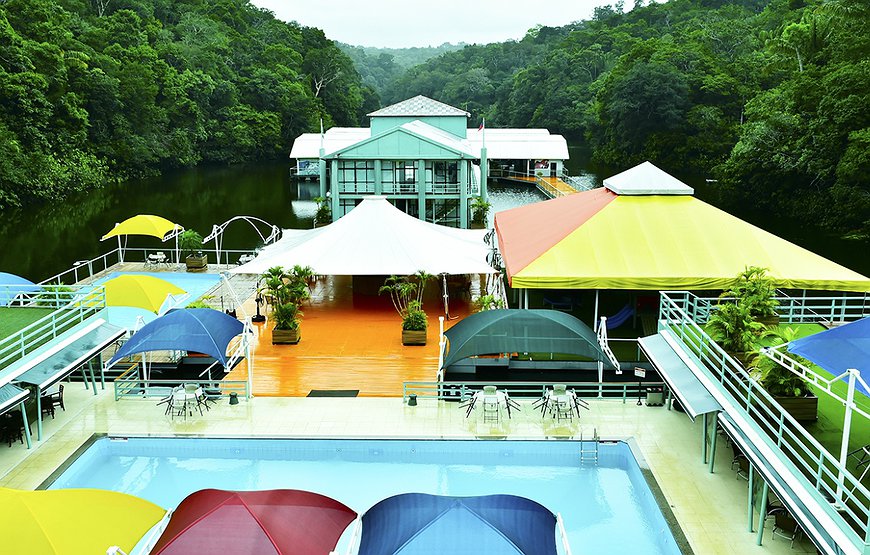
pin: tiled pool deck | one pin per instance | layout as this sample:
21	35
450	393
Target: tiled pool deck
710	508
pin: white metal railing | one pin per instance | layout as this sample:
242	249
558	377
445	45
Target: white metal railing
532	390
577	183
793	310
603	343
131	384
84	269
548	189
71	305
810	464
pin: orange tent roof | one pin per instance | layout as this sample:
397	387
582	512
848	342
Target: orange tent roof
526	232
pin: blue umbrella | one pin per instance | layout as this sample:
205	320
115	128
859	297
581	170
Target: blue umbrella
838	349
12	285
418	523
200	330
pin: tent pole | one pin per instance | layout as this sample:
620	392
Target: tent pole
526	298
847	425
250	367
120	251
595	316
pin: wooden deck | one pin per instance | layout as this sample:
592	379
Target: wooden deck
349	342
552	186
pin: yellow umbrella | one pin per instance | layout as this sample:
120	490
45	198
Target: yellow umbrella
141	291
143	224
73	521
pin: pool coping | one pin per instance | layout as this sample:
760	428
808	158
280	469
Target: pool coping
636	451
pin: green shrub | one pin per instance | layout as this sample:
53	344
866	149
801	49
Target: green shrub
415	319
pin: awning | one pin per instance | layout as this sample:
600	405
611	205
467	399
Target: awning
418	523
11	286
10	396
602	240
691	393
839	349
521	331
198	330
139	291
791	500
376	238
143	224
58	365
267	522
74	521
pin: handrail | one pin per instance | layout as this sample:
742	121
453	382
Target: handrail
793	310
79	304
464	390
130	384
813	466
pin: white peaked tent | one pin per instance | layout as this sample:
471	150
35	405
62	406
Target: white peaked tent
376	238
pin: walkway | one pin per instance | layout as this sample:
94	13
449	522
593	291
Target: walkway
349	342
711	508
553	187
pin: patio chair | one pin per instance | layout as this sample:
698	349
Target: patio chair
56	399
157	258
785	525
490	403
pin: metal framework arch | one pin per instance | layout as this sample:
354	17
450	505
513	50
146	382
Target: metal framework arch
217	232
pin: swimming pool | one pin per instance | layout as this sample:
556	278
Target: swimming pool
607	508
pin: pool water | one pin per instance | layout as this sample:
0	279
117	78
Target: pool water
606	508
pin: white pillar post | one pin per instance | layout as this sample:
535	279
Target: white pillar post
847	425
595	316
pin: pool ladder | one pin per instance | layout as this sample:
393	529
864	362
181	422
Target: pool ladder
589	446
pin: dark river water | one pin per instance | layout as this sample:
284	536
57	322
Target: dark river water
42	241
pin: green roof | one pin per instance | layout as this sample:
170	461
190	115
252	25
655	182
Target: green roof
420	106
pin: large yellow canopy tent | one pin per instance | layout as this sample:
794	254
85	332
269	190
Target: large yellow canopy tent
144	224
650	235
140	291
74	521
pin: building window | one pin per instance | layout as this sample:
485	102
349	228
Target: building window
387	172
406	172
443	211
446	172
356	176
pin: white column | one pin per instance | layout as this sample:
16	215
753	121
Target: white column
847	425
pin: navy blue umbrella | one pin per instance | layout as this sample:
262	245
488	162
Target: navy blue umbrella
200	330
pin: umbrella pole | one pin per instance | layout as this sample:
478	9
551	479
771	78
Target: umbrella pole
847	425
595	316
120	251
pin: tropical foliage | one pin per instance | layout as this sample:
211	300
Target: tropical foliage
97	91
286	290
406	292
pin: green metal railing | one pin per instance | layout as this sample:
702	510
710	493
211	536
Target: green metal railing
462	390
130	384
794	310
72	305
844	498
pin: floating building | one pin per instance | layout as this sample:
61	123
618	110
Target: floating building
422	156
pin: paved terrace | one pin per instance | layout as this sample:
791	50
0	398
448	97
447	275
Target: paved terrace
710	508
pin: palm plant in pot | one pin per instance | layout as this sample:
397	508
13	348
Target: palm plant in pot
756	290
190	243
323	216
286	291
479	212
732	326
406	292
791	391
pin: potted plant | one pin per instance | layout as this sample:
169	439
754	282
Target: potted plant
757	291
487	302
788	389
190	243
406	292
285	292
479	212
732	326
323	216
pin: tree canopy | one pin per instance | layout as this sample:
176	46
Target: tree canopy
93	91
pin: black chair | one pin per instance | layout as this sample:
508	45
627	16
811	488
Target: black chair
56	399
11	427
784	525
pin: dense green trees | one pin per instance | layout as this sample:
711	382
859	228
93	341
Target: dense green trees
769	96
97	90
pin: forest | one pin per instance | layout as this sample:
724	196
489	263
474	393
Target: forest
95	91
767	97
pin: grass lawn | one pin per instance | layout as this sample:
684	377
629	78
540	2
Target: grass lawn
14	319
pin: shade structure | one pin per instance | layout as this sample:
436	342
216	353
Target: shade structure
11	286
199	330
74	521
418	523
143	224
376	238
838	350
277	522
139	291
602	240
512	330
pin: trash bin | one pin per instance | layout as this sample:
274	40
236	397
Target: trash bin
655	397
412	400
234	398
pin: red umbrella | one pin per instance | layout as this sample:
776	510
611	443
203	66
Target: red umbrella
279	521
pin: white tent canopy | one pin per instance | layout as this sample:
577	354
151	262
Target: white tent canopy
376	238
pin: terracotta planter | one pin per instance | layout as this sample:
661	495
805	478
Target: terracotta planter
196	263
286	337
413	337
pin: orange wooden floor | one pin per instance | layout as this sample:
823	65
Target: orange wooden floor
349	341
